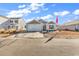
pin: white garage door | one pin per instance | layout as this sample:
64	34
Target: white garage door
34	27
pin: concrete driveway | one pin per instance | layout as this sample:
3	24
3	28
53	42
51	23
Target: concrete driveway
38	47
22	45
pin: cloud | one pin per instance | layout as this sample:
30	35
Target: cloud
29	19
34	7
76	17
45	17
45	9
42	17
53	5
63	13
38	11
18	13
68	20
22	6
76	12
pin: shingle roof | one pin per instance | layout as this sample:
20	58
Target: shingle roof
15	18
3	19
51	22
75	22
4	16
42	21
34	22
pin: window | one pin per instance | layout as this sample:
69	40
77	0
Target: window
25	27
8	27
11	26
11	21
16	21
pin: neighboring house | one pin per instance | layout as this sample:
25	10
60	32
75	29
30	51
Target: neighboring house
12	23
17	23
73	25
40	25
51	26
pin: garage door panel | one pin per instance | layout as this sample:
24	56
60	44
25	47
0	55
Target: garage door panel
34	27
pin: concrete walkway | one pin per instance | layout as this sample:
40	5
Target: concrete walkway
27	35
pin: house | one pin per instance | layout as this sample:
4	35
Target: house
40	25
73	25
34	25
12	23
17	23
51	26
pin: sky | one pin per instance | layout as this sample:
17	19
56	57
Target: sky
48	11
